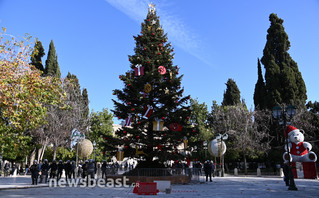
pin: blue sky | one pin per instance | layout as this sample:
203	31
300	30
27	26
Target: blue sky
213	40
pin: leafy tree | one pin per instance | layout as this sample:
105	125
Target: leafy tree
101	129
232	94
260	90
51	64
245	138
36	56
158	90
24	94
284	82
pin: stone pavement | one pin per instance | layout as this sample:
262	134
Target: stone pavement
228	187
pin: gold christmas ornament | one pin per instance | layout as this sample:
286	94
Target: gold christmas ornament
148	88
151	8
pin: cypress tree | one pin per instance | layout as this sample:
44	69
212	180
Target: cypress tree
37	54
284	83
51	64
260	90
85	104
232	94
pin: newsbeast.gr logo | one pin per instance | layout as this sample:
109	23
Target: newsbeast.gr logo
90	182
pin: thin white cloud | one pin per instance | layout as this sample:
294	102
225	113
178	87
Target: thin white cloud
178	33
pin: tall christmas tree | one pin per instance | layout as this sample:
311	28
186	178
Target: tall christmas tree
151	104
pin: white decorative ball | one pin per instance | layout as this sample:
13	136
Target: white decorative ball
216	148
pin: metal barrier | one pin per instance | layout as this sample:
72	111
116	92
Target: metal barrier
193	173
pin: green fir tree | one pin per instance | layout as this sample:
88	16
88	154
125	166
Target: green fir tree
159	91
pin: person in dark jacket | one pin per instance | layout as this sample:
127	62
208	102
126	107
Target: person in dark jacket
90	170
85	169
73	167
53	169
208	170
68	169
44	171
34	172
103	168
60	169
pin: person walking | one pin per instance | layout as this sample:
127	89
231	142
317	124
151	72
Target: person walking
26	169
34	172
213	169
208	170
44	171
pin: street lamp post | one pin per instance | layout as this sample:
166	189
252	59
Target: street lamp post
94	145
222	138
284	115
205	148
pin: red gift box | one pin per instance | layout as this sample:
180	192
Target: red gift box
148	111
306	170
139	70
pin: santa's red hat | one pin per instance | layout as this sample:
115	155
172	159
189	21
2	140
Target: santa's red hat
289	129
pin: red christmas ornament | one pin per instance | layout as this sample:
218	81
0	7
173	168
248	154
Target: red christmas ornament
129	84
119	117
124	132
165	134
148	62
176	101
187	117
153	34
163	118
133	109
128	103
159	53
144	48
170	80
177	72
125	140
103	153
162	41
125	147
193	130
129	59
172	50
138	122
137	137
120	77
105	138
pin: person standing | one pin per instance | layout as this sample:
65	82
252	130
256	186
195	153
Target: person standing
213	169
90	170
34	172
84	169
44	171
208	170
26	169
73	167
103	168
60	169
53	168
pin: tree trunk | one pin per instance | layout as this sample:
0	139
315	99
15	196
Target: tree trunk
39	153
54	153
245	164
32	156
43	150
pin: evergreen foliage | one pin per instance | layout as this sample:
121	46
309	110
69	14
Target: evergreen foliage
232	94
160	91
260	90
36	56
51	64
284	83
